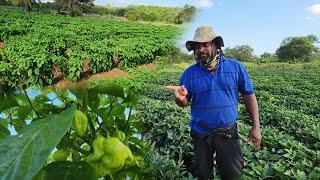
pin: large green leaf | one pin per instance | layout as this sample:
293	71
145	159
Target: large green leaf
110	89
4	132
23	155
81	93
23	114
7	101
67	170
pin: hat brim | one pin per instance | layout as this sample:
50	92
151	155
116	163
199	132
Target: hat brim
218	41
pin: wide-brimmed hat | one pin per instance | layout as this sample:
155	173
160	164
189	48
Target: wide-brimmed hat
204	34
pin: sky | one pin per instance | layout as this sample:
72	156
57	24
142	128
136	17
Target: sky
261	24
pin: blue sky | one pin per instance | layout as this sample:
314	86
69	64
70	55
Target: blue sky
260	24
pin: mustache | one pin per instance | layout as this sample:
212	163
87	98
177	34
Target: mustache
203	56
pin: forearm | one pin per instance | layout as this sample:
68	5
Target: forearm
252	107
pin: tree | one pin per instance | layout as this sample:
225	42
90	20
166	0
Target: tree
241	53
74	7
313	38
266	55
26	4
86	5
3	2
185	15
297	48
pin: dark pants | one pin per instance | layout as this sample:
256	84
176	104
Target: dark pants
229	158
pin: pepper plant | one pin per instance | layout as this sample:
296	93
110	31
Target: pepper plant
71	133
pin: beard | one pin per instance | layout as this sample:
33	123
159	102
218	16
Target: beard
203	58
207	60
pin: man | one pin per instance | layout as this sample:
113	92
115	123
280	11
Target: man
212	86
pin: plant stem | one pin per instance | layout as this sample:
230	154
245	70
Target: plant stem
92	127
79	149
111	107
101	125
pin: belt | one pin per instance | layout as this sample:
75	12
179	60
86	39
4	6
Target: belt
225	128
225	131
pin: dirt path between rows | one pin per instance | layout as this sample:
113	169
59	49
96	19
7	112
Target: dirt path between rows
110	75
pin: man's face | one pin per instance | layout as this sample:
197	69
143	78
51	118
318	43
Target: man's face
204	50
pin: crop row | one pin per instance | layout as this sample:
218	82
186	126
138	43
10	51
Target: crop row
37	47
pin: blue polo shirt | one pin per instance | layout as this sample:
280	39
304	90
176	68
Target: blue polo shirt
214	96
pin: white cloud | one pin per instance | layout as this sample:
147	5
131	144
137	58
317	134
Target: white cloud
314	11
308	18
205	4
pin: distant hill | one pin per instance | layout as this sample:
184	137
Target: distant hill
169	15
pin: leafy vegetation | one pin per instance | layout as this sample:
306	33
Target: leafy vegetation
36	45
292	49
74	7
241	53
297	48
289	109
160	14
131	128
168	15
95	126
288	97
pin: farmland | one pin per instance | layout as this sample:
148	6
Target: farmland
289	103
288	96
38	45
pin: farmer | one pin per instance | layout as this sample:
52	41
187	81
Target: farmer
211	86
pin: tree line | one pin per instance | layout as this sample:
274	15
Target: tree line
170	15
291	49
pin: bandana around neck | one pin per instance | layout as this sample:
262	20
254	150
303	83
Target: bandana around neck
210	63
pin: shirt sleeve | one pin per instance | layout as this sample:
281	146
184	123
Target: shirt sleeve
184	80
245	85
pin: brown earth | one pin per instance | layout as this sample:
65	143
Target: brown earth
2	46
86	66
114	73
57	72
110	75
65	84
150	66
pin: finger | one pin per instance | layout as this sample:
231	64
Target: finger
181	92
184	89
257	145
258	141
250	138
176	93
172	88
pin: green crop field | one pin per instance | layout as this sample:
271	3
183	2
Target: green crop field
131	128
289	102
36	44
